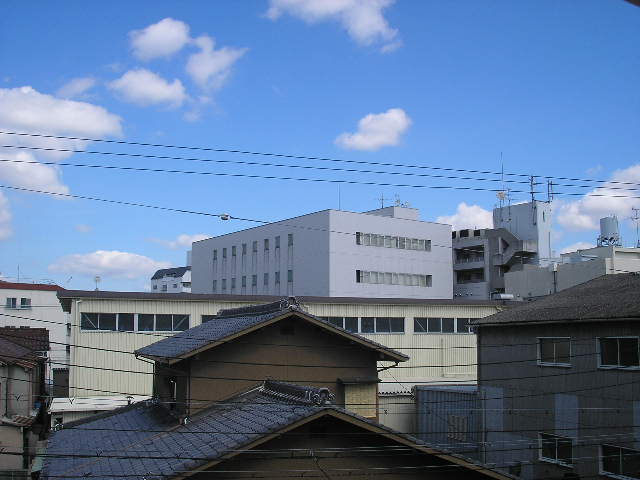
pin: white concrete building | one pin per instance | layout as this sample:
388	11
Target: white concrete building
385	253
65	410
172	280
36	305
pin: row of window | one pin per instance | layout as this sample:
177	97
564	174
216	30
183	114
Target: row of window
391	278
254	247
132	322
175	285
620	462
12	302
397	325
613	352
232	283
391	241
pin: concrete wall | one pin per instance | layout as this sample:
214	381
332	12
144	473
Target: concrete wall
324	257
19	390
521	398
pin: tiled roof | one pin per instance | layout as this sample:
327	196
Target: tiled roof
170	272
235	322
29	286
146	441
36	339
14	354
608	297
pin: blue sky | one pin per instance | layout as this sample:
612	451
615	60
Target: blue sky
550	85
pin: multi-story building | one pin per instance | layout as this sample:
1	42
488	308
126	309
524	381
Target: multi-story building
35	305
481	257
172	280
559	382
385	253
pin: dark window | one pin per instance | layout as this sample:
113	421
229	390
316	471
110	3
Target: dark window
278	241
164	323
145	322
107	321
620	352
277	279
25	303
556	449
358	238
89	321
448	325
254	246
224	284
244	248
383	325
233	283
125	322
207	318
358	276
554	351
180	323
233	251
290	239
367	325
244	281
337	321
620	461
463	325
265	279
254	280
215	286
420	325
215	254
289	276
224	252
266	244
434	325
98	321
351	324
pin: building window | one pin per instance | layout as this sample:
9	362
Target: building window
254	246
554	351
224	252
215	255
126	322
244	281
12	302
265	279
254	280
277	278
234	251
556	449
266	244
290	239
145	322
619	352
233	283
244	248
175	285
441	325
290	276
619	462
392	241
278	241
470	276
164	287
207	318
382	325
215	286
155	287
392	278
224	284
25	303
350	324
98	321
172	323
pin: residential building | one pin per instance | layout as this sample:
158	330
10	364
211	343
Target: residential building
212	416
384	253
66	410
559	382
172	280
36	305
22	398
434	333
482	257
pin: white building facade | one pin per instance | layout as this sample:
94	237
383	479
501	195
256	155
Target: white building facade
385	253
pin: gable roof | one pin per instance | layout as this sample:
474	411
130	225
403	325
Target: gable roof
606	298
36	339
232	323
170	272
145	440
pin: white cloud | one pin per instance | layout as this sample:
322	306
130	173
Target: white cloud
108	263
209	68
468	216
363	20
161	39
576	246
26	110
181	241
584	214
5	218
377	130
76	87
144	88
83	228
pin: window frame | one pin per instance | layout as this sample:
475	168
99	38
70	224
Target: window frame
378	327
11	303
542	363
606	473
555	461
424	328
617	367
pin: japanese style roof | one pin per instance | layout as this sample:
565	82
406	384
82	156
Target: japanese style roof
170	272
606	298
146	441
14	354
232	323
36	339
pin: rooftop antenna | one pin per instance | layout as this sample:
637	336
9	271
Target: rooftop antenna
501	194
636	218
382	199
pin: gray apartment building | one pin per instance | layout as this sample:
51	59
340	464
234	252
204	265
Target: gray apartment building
481	257
559	382
384	253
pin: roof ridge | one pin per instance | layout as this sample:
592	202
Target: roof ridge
282	304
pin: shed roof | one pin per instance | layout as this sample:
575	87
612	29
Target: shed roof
232	323
146	441
606	298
